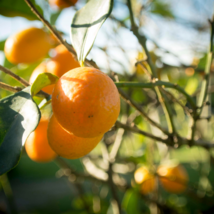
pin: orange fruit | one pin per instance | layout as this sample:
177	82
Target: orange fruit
146	180
27	46
173	178
37	146
86	102
62	62
68	145
62	3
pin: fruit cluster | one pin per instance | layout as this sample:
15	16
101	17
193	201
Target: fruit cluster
172	177
85	101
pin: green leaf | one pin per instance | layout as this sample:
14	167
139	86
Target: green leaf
162	9
43	80
54	17
13	8
86	24
130	202
2	45
19	116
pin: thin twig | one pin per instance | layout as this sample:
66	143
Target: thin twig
158	83
89	63
138	131
205	83
173	98
128	100
16	77
10	88
168	141
142	40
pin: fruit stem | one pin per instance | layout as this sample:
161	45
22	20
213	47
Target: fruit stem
82	64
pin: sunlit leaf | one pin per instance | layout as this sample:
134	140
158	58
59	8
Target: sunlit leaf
19	116
42	80
86	24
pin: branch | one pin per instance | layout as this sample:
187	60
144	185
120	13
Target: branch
10	88
158	83
142	40
89	63
16	77
140	110
168	141
205	83
138	131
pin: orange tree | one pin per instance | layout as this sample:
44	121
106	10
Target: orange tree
165	118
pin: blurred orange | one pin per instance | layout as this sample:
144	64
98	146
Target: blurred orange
27	46
173	178
62	3
37	146
62	62
146	180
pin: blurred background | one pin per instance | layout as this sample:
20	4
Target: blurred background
178	38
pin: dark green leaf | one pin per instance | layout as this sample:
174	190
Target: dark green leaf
2	45
130	202
19	116
43	80
162	8
86	24
12	8
54	17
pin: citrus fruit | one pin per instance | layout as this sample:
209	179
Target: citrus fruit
86	102
37	146
146	180
62	62
173	178
62	3
68	145
27	46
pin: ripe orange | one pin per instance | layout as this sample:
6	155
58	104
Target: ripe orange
62	3
62	62
173	178
37	146
146	180
68	145
86	102
27	46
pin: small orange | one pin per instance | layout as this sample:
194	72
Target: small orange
68	145
27	46
62	62
173	178
62	3
146	180
86	102
37	146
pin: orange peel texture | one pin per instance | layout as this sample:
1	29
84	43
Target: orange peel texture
86	102
68	145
